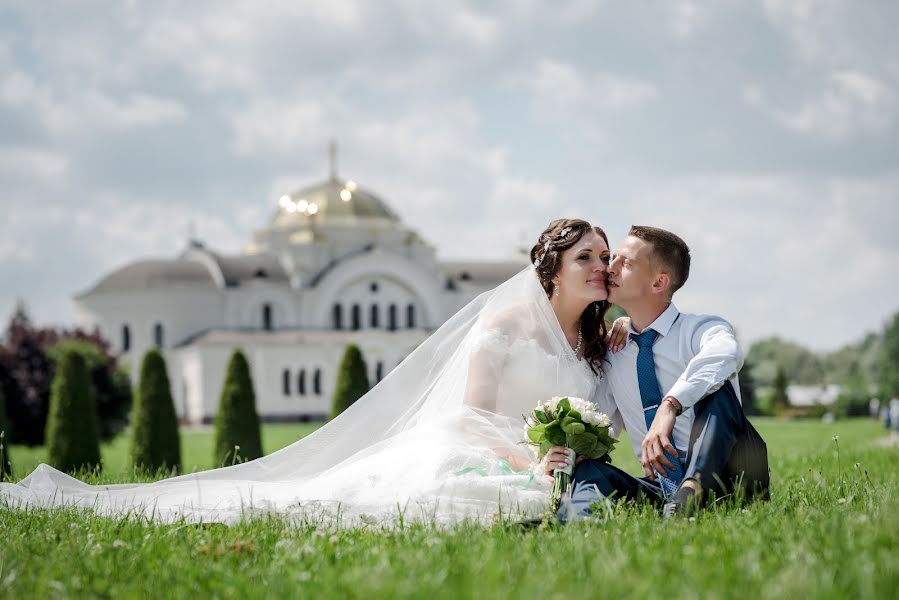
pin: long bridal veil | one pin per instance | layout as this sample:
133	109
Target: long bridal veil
439	439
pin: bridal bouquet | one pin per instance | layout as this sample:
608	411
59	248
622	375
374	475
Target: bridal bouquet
575	424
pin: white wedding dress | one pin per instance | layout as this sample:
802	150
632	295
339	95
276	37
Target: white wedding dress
435	441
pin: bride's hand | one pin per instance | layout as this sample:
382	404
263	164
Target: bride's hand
617	337
558	457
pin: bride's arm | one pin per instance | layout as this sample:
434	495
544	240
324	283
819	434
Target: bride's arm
485	367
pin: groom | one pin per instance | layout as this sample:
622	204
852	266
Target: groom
675	387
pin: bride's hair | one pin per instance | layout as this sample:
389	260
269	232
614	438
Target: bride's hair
546	256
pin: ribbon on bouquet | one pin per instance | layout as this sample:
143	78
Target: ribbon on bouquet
505	469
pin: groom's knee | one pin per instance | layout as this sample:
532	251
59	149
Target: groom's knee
591	471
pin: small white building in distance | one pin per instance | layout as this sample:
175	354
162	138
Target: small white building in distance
335	265
812	395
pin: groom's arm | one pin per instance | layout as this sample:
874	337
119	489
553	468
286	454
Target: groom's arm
717	358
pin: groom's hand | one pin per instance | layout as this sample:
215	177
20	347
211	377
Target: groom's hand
657	441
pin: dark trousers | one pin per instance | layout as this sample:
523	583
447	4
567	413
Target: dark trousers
725	453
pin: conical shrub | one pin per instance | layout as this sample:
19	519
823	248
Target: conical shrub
155	444
237	435
352	380
5	464
72	430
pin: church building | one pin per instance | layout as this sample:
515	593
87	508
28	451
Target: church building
335	265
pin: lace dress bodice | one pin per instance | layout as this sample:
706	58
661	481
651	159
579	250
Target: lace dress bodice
525	374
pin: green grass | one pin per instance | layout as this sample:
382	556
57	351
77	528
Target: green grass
831	530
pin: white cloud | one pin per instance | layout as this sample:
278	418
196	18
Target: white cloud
563	92
32	163
854	104
279	126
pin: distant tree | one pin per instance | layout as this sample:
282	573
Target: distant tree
352	380
28	360
889	361
20	317
854	397
805	367
779	397
614	312
155	443
112	384
72	433
5	464
27	374
237	434
747	390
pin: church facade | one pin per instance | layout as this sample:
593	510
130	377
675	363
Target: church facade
335	265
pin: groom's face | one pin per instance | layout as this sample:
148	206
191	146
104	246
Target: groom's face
631	273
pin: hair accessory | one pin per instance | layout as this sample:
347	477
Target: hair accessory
546	246
540	258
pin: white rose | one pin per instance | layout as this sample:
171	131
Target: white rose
581	405
552	405
597	419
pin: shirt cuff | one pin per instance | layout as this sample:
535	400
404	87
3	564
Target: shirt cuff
685	393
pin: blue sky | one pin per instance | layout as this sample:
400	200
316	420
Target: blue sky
763	132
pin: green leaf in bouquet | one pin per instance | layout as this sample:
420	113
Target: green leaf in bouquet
582	443
564	405
573	427
606	439
541	416
575	415
600	450
555	434
545	446
536	433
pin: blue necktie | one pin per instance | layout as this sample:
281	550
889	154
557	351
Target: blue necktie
652	399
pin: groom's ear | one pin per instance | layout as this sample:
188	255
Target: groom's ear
661	284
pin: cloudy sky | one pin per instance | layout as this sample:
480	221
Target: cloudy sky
763	132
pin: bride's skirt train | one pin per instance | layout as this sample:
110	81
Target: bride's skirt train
418	480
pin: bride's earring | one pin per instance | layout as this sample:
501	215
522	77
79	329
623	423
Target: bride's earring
556	289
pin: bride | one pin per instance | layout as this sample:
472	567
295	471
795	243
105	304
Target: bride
439	440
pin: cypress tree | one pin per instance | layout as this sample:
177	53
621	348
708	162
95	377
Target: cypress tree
237	435
5	465
352	380
155	444
72	430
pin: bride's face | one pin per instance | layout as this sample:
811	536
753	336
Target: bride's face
584	270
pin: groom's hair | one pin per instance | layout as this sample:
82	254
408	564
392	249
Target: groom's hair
668	250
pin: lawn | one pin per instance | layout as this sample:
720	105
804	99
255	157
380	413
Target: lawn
831	530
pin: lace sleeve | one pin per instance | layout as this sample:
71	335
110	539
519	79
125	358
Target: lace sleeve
493	341
488	356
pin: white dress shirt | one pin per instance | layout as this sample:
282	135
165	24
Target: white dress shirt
694	355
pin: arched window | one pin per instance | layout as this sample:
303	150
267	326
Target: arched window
158	338
375	320
267	316
337	316
285	382
357	317
301	382
410	316
126	338
391	317
317	382
379	371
